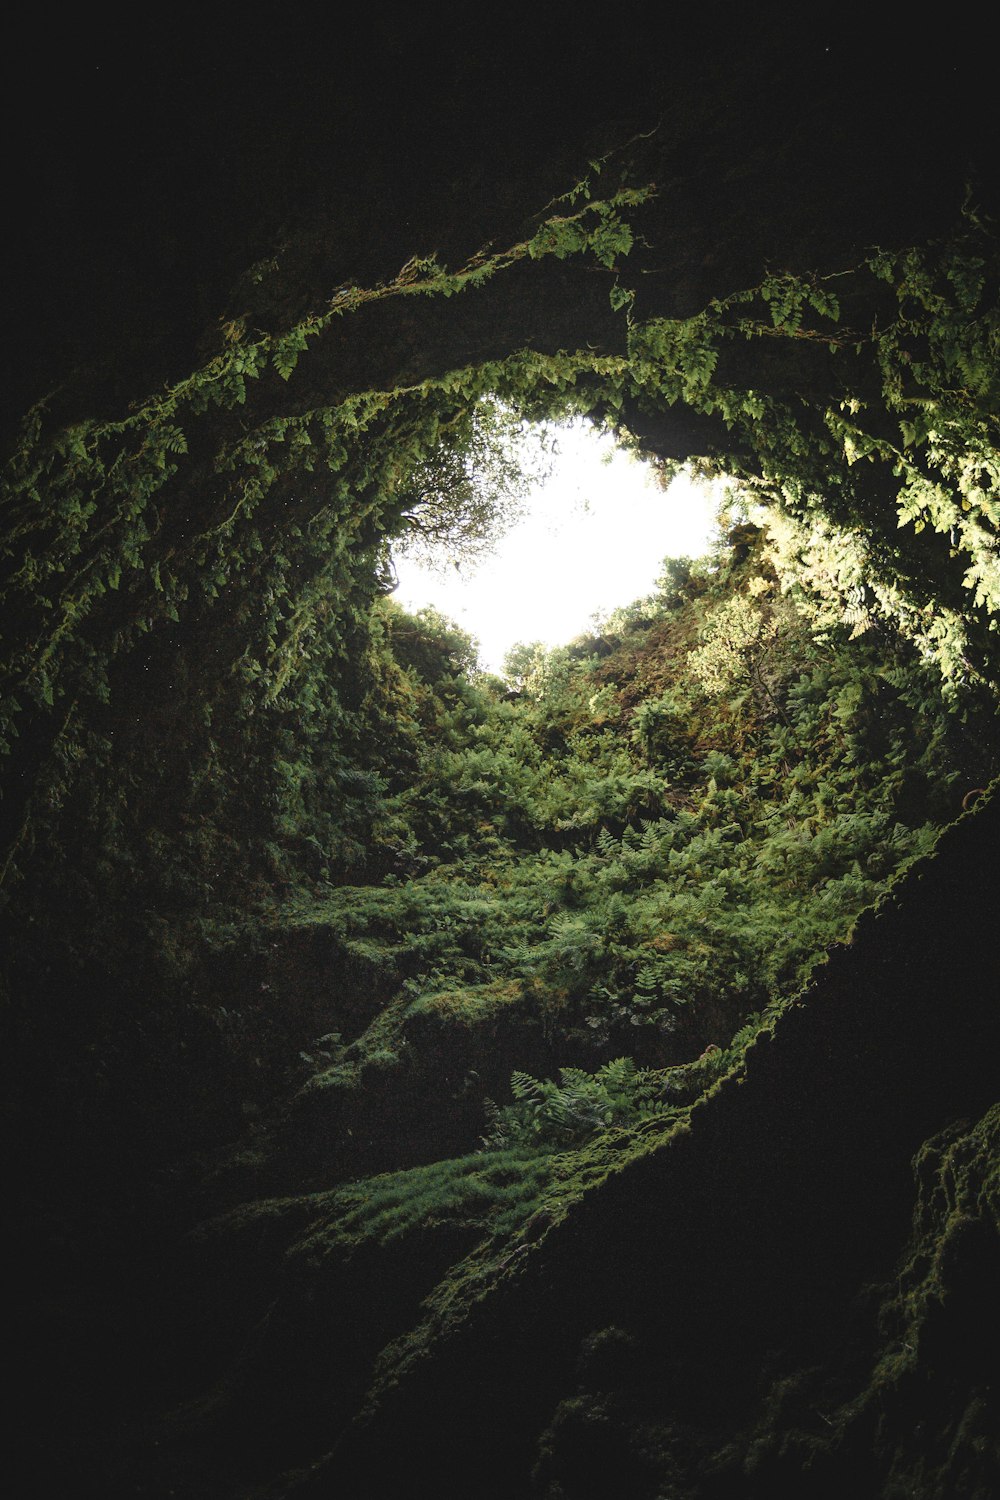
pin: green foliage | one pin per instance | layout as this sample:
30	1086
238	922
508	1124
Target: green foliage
495	1194
639	841
458	500
545	1113
934	365
739	640
631	856
219	735
255	560
243	556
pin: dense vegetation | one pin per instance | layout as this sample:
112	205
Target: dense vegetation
396	983
639	849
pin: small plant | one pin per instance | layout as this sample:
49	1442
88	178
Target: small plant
546	1113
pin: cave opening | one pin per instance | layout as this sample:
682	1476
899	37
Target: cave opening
592	535
378	1026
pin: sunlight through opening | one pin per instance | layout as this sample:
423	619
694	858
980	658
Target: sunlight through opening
593	538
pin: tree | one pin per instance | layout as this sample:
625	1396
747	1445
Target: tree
454	506
739	642
522	660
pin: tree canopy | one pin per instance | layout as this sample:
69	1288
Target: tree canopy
456	504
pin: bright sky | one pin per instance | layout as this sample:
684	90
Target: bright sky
593	538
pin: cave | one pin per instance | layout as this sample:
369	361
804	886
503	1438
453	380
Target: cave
572	1084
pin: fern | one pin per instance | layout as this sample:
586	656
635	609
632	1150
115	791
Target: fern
551	1114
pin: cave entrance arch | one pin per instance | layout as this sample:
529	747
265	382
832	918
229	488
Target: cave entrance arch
190	578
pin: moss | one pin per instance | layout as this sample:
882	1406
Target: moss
923	1418
470	1006
493	1193
560	1181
